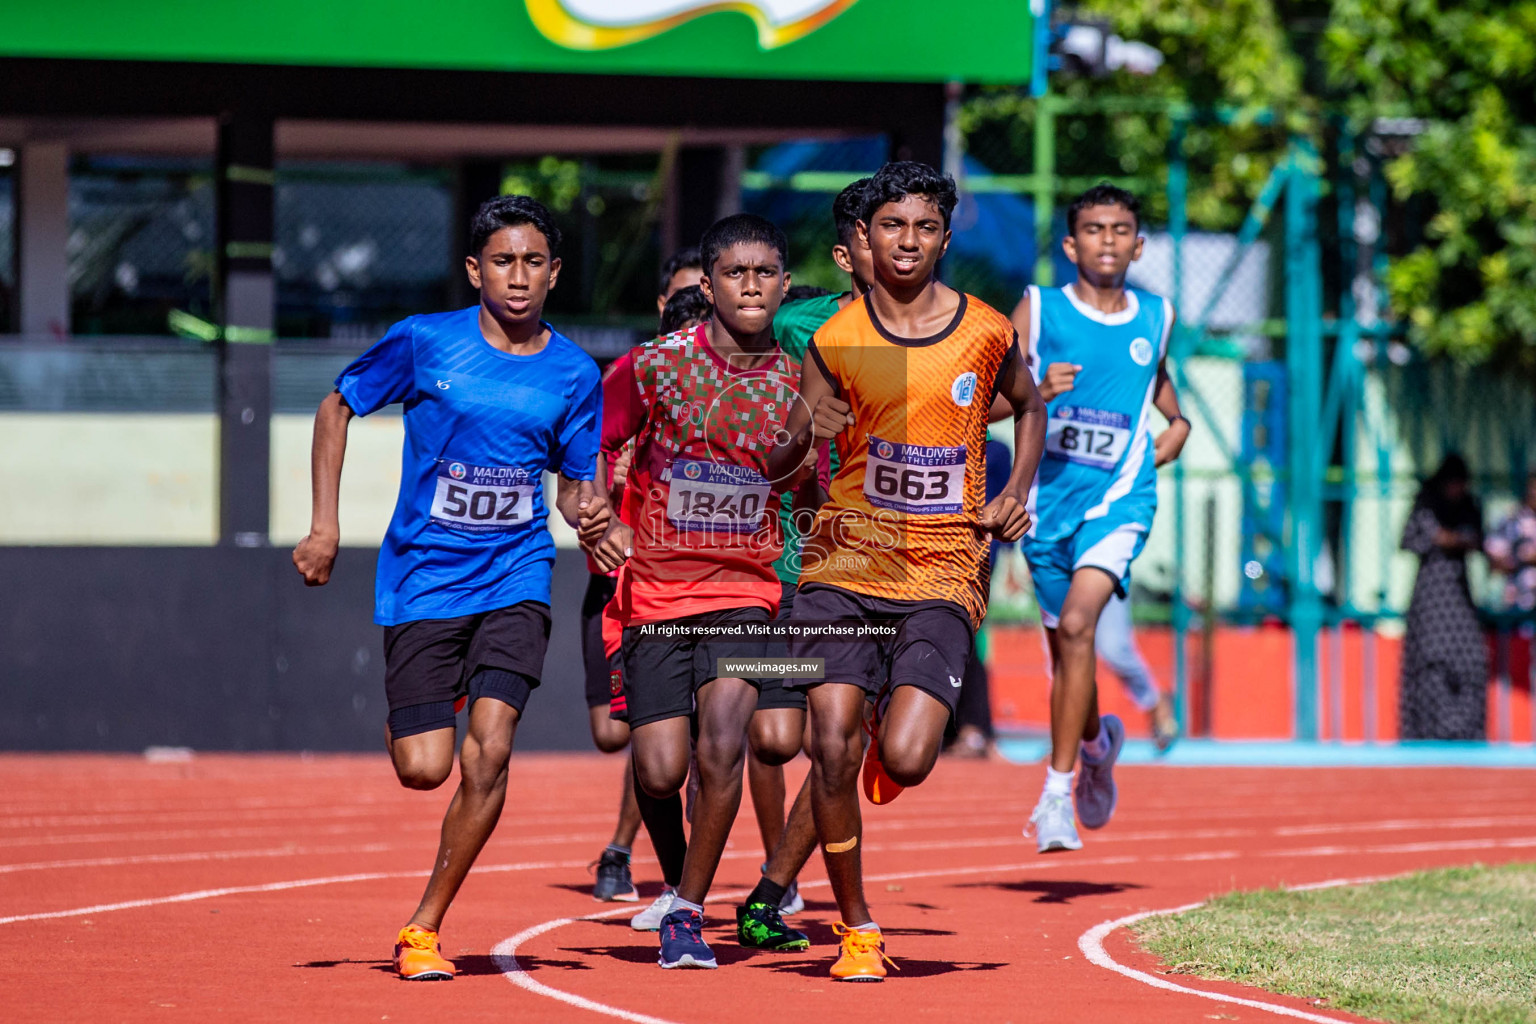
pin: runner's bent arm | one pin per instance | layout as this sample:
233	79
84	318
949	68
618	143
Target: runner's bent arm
1165	398
316	553
580	499
1002	408
624	414
820	416
1005	515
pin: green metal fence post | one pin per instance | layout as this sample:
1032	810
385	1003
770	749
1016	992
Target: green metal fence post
1304	366
1178	226
1045	186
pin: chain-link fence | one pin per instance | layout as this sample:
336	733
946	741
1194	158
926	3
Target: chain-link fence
1314	422
7	240
357	246
140	243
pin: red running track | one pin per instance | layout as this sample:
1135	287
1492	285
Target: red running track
270	888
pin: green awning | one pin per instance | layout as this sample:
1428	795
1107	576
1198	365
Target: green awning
880	40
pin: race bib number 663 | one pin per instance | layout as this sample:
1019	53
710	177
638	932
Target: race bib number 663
482	498
915	479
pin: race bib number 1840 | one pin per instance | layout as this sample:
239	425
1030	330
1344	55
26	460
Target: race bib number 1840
482	498
714	498
915	479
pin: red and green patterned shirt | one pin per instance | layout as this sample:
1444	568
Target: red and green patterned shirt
698	496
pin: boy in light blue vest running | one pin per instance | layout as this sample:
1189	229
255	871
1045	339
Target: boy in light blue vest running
1097	347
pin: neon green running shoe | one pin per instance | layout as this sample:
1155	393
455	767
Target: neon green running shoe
759	926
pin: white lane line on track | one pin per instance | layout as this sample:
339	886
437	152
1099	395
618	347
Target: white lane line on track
305	883
283	815
423	825
298	883
504	953
1091	943
164	836
288	851
1514	843
190	857
1405	825
1520	842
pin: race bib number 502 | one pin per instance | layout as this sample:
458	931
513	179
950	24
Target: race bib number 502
482	498
915	479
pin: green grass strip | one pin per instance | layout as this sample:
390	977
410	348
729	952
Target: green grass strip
1454	946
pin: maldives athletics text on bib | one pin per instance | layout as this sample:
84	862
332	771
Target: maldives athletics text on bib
1089	437
481	499
712	497
915	479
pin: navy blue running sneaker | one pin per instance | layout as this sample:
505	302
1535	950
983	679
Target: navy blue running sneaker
682	941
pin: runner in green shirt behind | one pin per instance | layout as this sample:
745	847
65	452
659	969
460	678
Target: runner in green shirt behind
798	322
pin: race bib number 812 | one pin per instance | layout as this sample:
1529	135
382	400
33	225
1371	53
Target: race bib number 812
1090	437
482	498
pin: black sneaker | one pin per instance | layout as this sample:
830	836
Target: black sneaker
614	884
759	926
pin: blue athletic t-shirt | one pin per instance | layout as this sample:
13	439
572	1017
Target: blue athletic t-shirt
481	427
1098	444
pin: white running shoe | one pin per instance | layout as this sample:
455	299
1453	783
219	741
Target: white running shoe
1095	787
649	919
1052	826
793	902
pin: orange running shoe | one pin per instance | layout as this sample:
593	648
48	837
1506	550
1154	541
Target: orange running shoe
863	957
417	957
878	786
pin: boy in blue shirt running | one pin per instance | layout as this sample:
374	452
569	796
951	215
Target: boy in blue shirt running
493	398
1097	347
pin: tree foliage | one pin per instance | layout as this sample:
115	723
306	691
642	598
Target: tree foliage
1468	70
1235	54
1464	71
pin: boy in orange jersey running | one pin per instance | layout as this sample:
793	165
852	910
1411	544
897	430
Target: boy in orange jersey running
903	379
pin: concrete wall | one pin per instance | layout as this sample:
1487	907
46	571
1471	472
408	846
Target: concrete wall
222	649
108	479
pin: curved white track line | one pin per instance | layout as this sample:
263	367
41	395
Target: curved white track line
1091	943
503	955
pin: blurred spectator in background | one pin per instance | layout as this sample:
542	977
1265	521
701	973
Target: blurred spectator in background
1443	695
685	309
684	268
1512	549
1115	644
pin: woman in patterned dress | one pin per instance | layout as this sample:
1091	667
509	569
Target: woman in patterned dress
1443	695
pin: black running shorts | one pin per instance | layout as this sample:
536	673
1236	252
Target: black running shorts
661	674
772	693
432	660
600	591
930	650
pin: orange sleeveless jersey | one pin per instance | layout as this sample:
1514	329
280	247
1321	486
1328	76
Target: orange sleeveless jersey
901	519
